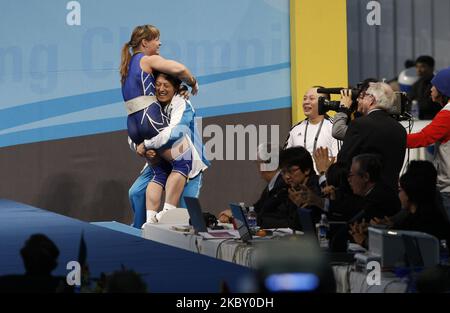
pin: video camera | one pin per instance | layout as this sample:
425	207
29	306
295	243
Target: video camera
398	110
326	105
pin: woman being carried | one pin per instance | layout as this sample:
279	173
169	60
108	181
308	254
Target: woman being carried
146	118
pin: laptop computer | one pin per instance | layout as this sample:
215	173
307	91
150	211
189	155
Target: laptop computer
241	222
198	222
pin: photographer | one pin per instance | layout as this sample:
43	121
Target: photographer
376	132
348	107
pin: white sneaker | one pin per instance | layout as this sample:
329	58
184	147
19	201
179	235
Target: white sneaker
151	220
160	214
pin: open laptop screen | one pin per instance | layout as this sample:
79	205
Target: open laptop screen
241	222
196	214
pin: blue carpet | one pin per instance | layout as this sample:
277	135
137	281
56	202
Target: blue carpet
163	268
120	227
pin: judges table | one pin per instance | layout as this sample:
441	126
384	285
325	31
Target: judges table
348	279
230	250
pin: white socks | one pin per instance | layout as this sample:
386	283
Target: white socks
166	208
151	218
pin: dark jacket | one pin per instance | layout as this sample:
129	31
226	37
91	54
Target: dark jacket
345	206
428	220
380	202
377	133
269	209
275	210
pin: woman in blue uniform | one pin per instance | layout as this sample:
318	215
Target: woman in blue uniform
145	115
179	142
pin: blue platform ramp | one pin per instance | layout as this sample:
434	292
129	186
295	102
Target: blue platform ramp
163	268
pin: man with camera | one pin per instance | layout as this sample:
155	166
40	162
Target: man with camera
349	106
376	132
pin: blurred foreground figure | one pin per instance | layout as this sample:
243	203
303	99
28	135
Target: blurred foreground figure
293	264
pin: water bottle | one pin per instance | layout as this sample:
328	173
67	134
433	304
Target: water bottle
415	109
322	231
251	218
443	251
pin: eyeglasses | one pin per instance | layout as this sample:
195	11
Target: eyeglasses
369	94
363	94
290	171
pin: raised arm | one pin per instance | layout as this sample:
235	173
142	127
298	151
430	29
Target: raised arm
437	130
174	68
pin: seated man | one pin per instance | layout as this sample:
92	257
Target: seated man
277	206
297	169
268	169
369	196
421	209
365	180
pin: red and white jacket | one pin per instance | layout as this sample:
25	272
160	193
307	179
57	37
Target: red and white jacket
438	132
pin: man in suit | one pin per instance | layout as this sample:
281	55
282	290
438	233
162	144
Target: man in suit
267	205
364	179
274	192
376	132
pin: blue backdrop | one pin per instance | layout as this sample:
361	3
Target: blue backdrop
59	80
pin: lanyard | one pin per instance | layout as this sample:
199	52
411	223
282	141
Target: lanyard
317	134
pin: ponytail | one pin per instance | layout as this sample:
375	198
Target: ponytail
125	62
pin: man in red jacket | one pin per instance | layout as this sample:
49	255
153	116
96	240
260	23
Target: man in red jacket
438	132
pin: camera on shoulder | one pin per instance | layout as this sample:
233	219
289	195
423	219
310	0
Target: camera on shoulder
397	111
326	104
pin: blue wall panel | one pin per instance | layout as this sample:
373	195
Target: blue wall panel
58	80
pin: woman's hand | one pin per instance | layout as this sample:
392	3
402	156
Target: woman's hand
150	154
140	150
152	157
194	86
184	92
